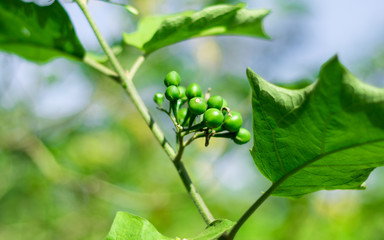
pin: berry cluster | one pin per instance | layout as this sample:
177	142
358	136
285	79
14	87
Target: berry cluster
208	116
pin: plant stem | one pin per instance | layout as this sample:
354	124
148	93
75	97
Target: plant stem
126	81
193	138
193	193
136	65
127	84
101	68
250	211
195	196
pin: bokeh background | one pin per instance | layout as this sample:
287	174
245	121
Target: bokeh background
74	151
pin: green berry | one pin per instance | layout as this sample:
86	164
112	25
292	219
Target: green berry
197	105
193	90
172	79
172	93
215	102
233	121
182	91
181	114
243	136
213	118
158	98
182	95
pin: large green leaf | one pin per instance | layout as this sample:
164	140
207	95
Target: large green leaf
329	135
129	227
37	33
159	31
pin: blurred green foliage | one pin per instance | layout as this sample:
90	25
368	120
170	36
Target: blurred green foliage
64	176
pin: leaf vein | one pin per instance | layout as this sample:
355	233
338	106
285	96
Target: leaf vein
295	170
274	141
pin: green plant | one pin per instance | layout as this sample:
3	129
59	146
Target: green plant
193	90
328	135
172	78
215	102
197	105
242	136
158	98
213	118
233	121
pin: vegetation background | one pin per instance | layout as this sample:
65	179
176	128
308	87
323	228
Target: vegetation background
73	150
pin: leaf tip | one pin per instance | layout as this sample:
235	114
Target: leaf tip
333	60
249	70
253	77
332	66
265	35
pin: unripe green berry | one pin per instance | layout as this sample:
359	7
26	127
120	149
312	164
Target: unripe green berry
181	114
215	102
233	121
193	90
159	99
182	91
182	95
213	118
243	136
172	79
172	93
197	105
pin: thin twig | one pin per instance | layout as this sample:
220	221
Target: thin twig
101	68
193	193
136	65
127	84
126	81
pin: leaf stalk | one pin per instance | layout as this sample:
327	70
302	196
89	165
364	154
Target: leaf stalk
250	211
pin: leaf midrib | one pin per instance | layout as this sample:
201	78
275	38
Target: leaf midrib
289	174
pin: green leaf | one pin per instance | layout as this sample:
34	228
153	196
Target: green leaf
159	31
129	227
102	57
214	230
329	135
295	85
37	33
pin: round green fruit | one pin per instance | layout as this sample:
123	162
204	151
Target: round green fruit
172	79
193	90
172	93
233	121
182	95
213	118
158	98
181	114
197	105
182	91
215	102
243	136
